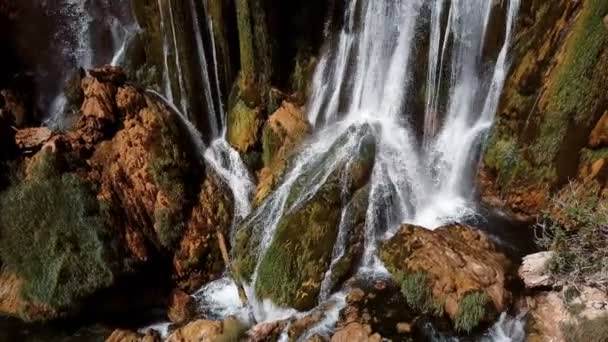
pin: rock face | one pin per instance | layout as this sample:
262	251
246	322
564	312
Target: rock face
550	125
454	267
181	307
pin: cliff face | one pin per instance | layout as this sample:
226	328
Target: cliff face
551	126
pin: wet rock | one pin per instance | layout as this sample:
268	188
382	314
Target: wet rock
282	133
198	258
534	270
244	127
208	331
182	307
453	269
599	135
356	332
309	230
130	336
263	332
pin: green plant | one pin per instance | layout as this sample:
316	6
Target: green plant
52	236
471	311
587	330
576	228
416	288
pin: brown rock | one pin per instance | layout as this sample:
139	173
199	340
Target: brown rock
98	116
266	331
356	332
457	260
404	328
198	259
208	331
181	307
13	304
283	132
130	336
599	135
32	139
356	295
606	22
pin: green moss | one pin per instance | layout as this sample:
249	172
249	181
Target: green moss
590	156
244	126
291	271
472	310
576	88
172	169
52	235
587	330
243	14
416	288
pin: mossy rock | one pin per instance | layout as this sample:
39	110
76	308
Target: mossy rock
291	271
53	236
244	127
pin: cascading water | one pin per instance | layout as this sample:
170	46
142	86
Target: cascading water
364	87
82	31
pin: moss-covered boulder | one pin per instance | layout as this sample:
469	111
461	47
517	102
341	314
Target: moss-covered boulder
290	272
454	270
53	239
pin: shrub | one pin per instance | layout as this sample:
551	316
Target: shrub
576	228
51	235
588	330
416	289
471	311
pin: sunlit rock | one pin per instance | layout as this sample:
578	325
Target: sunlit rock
454	270
534	270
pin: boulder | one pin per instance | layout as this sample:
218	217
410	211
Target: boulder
263	332
534	270
454	269
356	332
208	331
182	307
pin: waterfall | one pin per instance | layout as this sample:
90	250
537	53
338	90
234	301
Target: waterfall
363	88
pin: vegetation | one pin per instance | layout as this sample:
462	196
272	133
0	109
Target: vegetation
576	228
171	169
471	311
52	236
416	288
587	330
